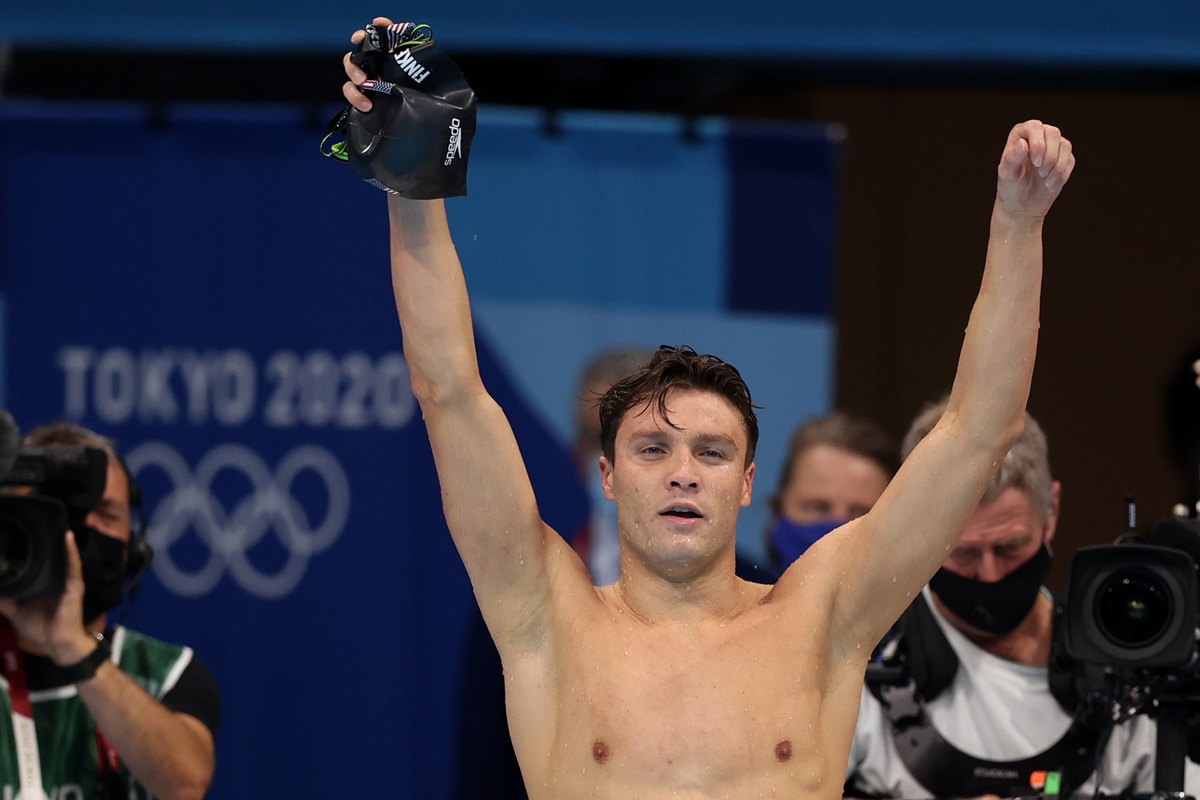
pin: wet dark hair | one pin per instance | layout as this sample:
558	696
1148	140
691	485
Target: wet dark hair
673	368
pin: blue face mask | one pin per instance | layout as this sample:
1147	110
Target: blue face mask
790	539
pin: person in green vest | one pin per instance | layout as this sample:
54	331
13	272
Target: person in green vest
117	714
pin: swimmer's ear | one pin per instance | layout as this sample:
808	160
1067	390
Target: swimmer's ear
748	490
606	478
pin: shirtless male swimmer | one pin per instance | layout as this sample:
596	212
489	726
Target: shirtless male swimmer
681	680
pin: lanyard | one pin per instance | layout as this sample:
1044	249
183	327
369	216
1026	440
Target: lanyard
109	776
28	765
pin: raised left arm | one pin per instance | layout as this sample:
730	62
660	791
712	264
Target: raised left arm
893	551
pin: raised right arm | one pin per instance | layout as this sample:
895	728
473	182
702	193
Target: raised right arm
486	494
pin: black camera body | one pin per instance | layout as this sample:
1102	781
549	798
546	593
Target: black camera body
1133	608
1136	605
64	483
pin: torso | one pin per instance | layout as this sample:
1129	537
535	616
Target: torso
622	707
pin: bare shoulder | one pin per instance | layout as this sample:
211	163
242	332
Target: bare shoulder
813	587
550	585
817	575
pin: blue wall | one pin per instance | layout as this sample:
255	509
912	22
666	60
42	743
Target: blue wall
1070	31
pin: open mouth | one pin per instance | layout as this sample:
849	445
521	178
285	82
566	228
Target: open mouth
682	512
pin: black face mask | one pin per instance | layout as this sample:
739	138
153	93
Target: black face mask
997	607
103	558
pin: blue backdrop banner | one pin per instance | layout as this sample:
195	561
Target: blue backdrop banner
1082	32
215	295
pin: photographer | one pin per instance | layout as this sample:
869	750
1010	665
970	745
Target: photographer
973	693
117	714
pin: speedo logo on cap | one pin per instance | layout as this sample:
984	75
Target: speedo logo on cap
412	67
455	146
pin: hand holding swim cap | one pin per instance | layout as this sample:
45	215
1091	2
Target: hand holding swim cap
412	134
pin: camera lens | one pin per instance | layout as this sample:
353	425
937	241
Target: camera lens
1133	608
15	555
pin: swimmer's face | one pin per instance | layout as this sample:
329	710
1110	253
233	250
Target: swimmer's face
679	485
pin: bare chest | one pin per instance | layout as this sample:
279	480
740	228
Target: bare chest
705	709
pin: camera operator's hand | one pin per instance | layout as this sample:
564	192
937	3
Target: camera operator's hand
53	626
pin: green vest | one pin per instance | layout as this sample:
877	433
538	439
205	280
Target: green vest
66	731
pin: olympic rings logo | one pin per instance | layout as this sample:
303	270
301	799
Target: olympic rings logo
270	507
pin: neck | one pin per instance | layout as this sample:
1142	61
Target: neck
1028	643
717	594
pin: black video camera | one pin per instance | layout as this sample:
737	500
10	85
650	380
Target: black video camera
1133	608
1136	605
65	484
